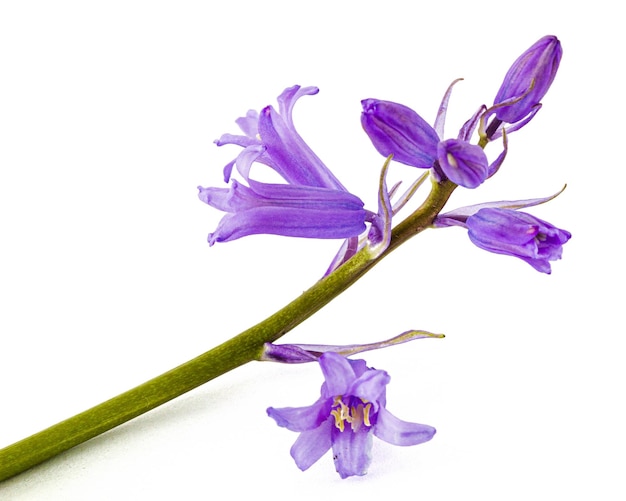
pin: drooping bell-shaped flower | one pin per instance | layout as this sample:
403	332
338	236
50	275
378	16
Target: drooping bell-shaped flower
312	203
518	234
351	409
501	228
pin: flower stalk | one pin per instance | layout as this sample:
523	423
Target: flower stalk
241	349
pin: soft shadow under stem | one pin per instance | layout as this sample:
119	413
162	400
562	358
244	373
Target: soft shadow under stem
235	352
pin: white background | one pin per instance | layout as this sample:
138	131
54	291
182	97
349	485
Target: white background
108	111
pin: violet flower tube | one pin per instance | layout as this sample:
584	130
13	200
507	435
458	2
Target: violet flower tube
397	130
350	410
518	234
312	203
528	80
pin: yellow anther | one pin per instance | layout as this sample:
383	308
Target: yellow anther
338	419
366	415
355	415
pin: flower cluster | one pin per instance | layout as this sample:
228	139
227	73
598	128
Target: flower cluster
312	203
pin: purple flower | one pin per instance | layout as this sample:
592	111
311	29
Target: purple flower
312	203
518	234
397	130
350	410
527	81
463	163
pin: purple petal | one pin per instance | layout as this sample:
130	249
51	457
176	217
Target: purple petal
397	432
352	451
312	445
397	130
290	222
443	109
288	99
517	234
291	156
338	373
301	418
370	386
463	163
528	79
249	124
465	133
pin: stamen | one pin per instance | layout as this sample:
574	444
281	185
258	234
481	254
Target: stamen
355	415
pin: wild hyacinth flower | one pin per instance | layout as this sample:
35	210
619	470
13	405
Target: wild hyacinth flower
499	227
397	130
525	85
518	234
313	203
350	410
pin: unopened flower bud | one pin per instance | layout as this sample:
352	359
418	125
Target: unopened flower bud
397	130
463	163
528	80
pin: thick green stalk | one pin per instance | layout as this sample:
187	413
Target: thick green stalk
235	352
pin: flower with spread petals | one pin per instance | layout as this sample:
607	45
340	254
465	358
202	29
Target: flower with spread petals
350	410
518	234
527	82
312	203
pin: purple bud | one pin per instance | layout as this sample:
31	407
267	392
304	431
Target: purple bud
397	130
518	234
463	163
528	80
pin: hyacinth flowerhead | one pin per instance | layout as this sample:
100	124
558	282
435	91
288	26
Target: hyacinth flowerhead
397	130
350	410
312	203
528	81
518	234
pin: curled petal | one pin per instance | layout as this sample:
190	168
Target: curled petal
443	109
291	156
288	98
397	432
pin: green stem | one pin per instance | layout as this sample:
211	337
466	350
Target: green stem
235	352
